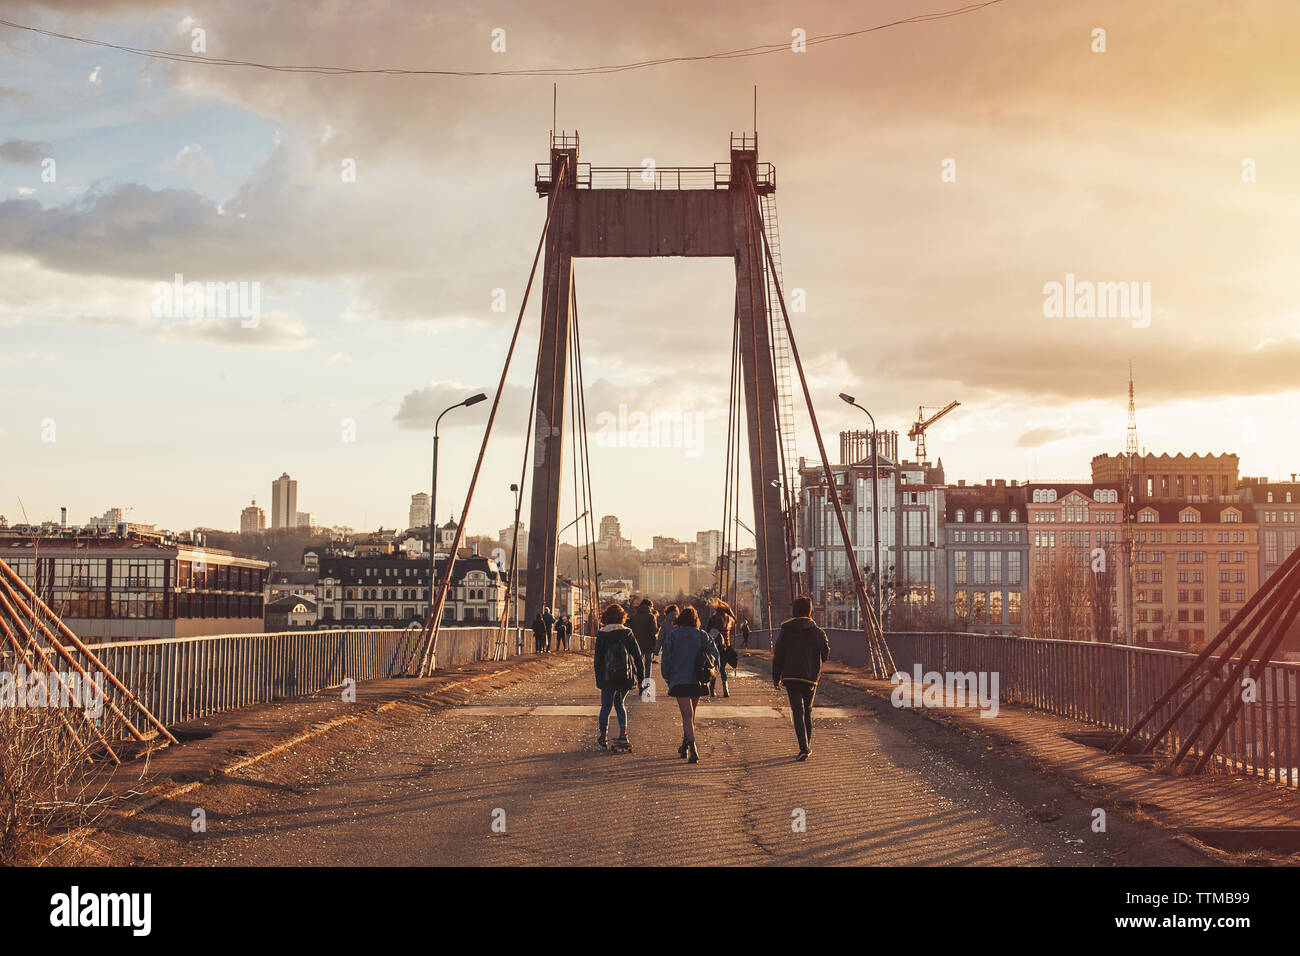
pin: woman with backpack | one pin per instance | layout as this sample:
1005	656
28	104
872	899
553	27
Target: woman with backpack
618	669
688	662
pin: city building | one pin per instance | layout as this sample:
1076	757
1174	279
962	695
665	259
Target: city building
615	590
392	590
418	517
284	502
1195	563
1074	532
708	546
670	549
1277	508
665	578
108	522
915	578
986	544
304	519
506	537
919	579
1180	596
291	613
1168	477
140	587
446	534
611	536
282	584
747	591
252	520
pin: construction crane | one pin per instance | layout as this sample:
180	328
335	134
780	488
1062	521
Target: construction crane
917	432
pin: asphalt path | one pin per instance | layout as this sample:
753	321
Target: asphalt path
514	777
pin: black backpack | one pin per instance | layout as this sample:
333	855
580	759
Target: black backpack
619	669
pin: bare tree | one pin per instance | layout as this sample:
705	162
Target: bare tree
1059	606
1102	567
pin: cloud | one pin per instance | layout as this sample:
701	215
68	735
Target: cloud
1046	434
24	151
666	395
190	162
35	295
274	330
422	406
94	78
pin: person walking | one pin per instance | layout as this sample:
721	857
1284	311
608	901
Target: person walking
666	624
687	660
797	657
562	633
539	633
744	634
548	620
720	622
618	669
645	626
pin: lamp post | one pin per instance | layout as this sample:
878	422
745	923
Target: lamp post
875	500
558	534
513	613
433	496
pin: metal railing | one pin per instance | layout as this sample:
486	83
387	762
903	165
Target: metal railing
185	678
1107	685
717	176
1112	685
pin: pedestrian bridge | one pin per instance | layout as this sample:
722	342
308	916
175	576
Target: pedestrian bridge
1106	685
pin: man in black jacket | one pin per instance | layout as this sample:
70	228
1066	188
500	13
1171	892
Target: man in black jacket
645	626
797	663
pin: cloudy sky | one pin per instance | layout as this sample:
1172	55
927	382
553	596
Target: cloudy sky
1172	158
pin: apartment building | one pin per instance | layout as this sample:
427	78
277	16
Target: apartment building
986	547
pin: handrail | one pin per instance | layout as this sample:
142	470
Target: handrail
674	178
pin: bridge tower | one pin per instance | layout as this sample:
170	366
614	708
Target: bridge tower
633	213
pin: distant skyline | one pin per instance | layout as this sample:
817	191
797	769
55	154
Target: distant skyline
376	294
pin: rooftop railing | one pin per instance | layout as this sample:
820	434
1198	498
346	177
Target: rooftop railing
676	178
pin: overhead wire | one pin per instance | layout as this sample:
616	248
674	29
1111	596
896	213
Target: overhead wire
758	50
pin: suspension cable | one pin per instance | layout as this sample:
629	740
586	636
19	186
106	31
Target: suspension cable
721	575
593	565
881	657
427	645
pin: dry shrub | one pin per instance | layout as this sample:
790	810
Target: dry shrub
52	792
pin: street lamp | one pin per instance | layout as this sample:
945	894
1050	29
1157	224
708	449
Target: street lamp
572	523
559	533
433	496
875	499
513	613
